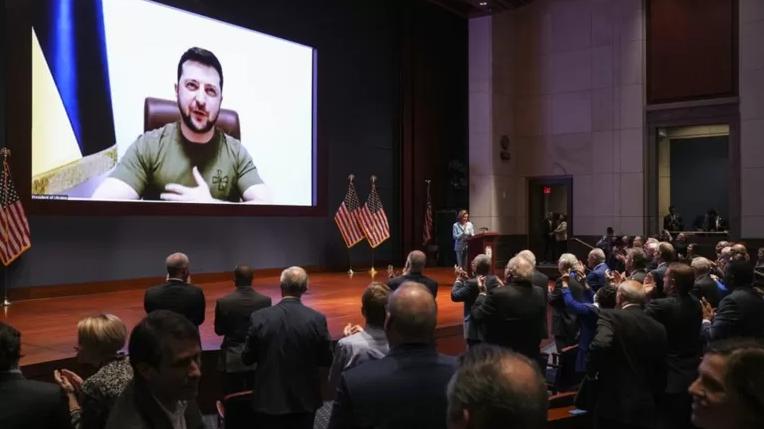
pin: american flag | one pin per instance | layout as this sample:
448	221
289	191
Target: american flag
373	218
14	228
347	217
427	227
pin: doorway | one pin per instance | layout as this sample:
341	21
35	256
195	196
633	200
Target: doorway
549	195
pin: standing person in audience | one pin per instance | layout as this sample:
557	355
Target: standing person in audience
539	279
741	313
177	294
290	344
166	357
729	390
560	235
232	314
367	343
597	277
461	232
706	286
606	241
681	314
628	357
637	242
636	264
616	260
760	260
513	316
466	290
407	388
651	250
565	326
673	220
680	245
26	403
100	340
413	272
664	256
496	388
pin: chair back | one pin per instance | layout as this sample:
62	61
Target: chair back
236	410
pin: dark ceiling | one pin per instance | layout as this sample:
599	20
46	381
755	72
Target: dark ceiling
475	8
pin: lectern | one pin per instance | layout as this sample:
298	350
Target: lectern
485	242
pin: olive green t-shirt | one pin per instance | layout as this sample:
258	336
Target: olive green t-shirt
163	156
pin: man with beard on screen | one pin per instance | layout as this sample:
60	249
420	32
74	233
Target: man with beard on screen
190	160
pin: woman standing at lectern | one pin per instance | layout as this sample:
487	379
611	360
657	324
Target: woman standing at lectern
462	231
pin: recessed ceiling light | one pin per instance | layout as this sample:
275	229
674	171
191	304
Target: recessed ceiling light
483	3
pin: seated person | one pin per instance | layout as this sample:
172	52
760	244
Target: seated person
189	160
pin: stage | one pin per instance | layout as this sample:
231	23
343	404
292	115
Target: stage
48	325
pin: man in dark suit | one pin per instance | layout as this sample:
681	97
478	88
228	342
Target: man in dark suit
466	290
26	403
636	264
232	313
166	357
407	388
597	277
177	294
565	324
680	314
412	272
513	316
705	286
628	357
664	256
741	313
290	343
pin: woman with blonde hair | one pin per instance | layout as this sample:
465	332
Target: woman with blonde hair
461	232
100	340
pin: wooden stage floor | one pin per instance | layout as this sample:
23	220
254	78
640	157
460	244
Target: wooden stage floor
48	326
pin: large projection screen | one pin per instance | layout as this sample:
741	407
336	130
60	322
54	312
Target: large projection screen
95	63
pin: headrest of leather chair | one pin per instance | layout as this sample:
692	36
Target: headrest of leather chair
158	113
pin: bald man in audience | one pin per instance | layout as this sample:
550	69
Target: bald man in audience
413	272
496	388
628	357
407	388
177	294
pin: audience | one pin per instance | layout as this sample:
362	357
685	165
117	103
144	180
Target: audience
100	340
692	252
564	320
232	314
289	342
495	388
539	279
636	264
706	286
651	250
741	313
412	272
165	354
680	314
407	388
26	403
513	316
628	358
729	390
664	256
466	290
587	318
597	276
637	242
370	342
178	294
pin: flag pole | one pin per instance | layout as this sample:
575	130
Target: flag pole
373	271
5	152
350	261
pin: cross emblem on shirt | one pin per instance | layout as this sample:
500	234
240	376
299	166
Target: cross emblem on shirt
222	182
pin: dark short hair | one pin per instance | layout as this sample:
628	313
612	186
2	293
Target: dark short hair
10	346
745	358
202	56
242	275
609	230
149	337
738	274
373	303
606	296
481	385
683	275
638	257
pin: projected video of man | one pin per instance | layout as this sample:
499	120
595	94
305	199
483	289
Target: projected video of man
189	160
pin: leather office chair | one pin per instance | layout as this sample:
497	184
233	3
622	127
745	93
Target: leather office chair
158	113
